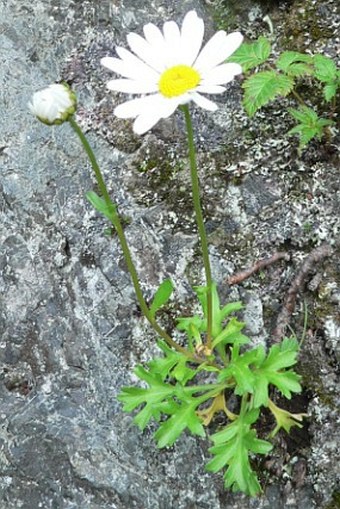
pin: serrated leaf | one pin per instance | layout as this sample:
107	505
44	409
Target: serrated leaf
190	324
100	205
250	55
325	68
272	370
229	308
228	433
172	428
263	87
240	477
282	355
171	364
145	415
231	334
151	397
286	381
239	368
182	372
163	365
162	296
330	90
257	445
295	64
232	448
310	125
290	344
304	115
218	314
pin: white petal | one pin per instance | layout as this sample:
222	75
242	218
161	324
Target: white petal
171	33
217	49
172	37
133	108
153	35
144	123
203	102
191	37
147	110
168	106
155	38
210	89
152	55
132	86
151	105
130	68
221	74
233	41
163	108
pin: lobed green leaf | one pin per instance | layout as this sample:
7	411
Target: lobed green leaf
330	90
232	448
239	368
295	64
158	392
195	325
250	55
231	334
310	125
263	87
325	68
272	371
184	417
172	364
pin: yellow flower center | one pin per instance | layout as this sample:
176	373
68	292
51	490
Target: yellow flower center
177	80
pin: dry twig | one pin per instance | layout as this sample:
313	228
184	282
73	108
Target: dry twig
241	276
289	304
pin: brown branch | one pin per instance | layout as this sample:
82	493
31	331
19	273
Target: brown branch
289	303
241	276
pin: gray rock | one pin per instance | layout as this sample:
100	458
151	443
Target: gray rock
70	327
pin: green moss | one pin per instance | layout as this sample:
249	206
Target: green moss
156	177
161	169
304	18
307	227
223	15
335	502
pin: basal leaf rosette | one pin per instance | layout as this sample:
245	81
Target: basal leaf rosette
168	68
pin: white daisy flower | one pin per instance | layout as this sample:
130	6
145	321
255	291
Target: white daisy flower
54	104
169	69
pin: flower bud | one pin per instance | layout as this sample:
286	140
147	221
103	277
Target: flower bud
53	105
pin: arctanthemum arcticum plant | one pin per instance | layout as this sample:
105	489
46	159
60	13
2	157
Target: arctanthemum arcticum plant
189	382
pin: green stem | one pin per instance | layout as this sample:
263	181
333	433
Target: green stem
211	394
201	388
125	248
298	98
199	219
93	161
244	404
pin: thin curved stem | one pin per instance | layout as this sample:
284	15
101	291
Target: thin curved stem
298	98
199	219
125	248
